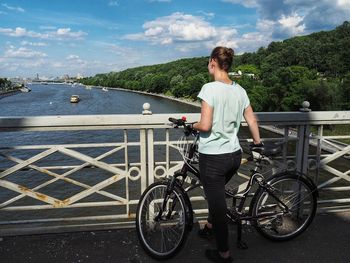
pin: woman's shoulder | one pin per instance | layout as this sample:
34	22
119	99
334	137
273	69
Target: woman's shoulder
210	84
239	87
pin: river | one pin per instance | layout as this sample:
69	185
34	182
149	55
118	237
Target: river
53	99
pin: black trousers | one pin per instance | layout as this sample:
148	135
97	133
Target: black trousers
215	171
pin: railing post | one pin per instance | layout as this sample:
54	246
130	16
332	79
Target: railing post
319	150
143	159
303	142
150	155
150	145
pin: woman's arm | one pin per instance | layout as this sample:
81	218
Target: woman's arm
251	120
206	121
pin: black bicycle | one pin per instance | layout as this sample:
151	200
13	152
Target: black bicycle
281	207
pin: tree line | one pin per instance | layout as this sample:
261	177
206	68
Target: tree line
6	85
315	68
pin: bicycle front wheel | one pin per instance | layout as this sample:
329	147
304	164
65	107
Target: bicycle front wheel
273	220
162	226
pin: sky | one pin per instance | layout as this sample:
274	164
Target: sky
86	37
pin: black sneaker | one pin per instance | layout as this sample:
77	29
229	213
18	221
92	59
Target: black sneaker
213	255
206	232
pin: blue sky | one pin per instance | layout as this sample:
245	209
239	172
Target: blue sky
85	37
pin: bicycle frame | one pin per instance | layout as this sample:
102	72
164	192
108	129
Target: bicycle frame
255	178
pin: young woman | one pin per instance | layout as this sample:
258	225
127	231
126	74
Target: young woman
223	105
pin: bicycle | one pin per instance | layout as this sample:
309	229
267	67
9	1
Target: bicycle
281	208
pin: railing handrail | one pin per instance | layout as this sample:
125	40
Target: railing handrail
117	121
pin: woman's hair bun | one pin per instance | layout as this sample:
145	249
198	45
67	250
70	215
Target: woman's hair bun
230	51
223	56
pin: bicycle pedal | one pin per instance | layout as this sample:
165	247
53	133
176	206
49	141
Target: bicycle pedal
242	245
249	229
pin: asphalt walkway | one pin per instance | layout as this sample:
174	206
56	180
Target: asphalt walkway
326	241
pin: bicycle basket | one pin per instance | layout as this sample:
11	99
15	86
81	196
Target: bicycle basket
184	146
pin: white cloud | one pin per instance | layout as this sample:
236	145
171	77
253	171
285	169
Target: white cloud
66	33
184	30
154	31
285	27
250	42
209	15
343	4
315	14
22	53
72	57
59	34
265	26
292	24
23	61
20	32
113	3
12	8
34	44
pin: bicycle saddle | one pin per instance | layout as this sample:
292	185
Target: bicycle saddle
268	148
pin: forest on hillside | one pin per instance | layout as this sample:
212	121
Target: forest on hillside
279	77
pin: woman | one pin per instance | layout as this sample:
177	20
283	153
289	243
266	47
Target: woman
223	104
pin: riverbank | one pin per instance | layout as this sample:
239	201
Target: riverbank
182	100
9	93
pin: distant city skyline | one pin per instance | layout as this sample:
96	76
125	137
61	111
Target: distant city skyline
54	38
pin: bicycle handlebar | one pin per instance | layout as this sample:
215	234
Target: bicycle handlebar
187	126
178	122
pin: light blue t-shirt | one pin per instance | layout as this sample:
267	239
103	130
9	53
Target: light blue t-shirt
228	101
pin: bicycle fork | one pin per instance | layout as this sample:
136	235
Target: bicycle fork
167	196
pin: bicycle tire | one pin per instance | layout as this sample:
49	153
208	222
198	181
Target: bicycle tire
162	238
298	193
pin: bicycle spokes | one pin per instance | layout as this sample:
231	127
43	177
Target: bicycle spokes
285	209
161	221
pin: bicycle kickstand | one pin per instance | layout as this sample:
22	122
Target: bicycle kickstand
240	243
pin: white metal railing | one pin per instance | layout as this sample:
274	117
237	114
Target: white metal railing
102	184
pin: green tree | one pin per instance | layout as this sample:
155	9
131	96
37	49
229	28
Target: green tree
147	82
248	68
260	98
195	84
176	80
159	83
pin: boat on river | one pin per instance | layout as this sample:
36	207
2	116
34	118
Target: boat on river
104	89
74	99
25	89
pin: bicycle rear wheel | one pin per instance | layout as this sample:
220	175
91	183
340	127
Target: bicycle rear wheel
162	232
273	221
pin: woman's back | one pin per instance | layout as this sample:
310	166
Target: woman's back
228	102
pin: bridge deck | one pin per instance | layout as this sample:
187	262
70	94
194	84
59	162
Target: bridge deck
327	240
